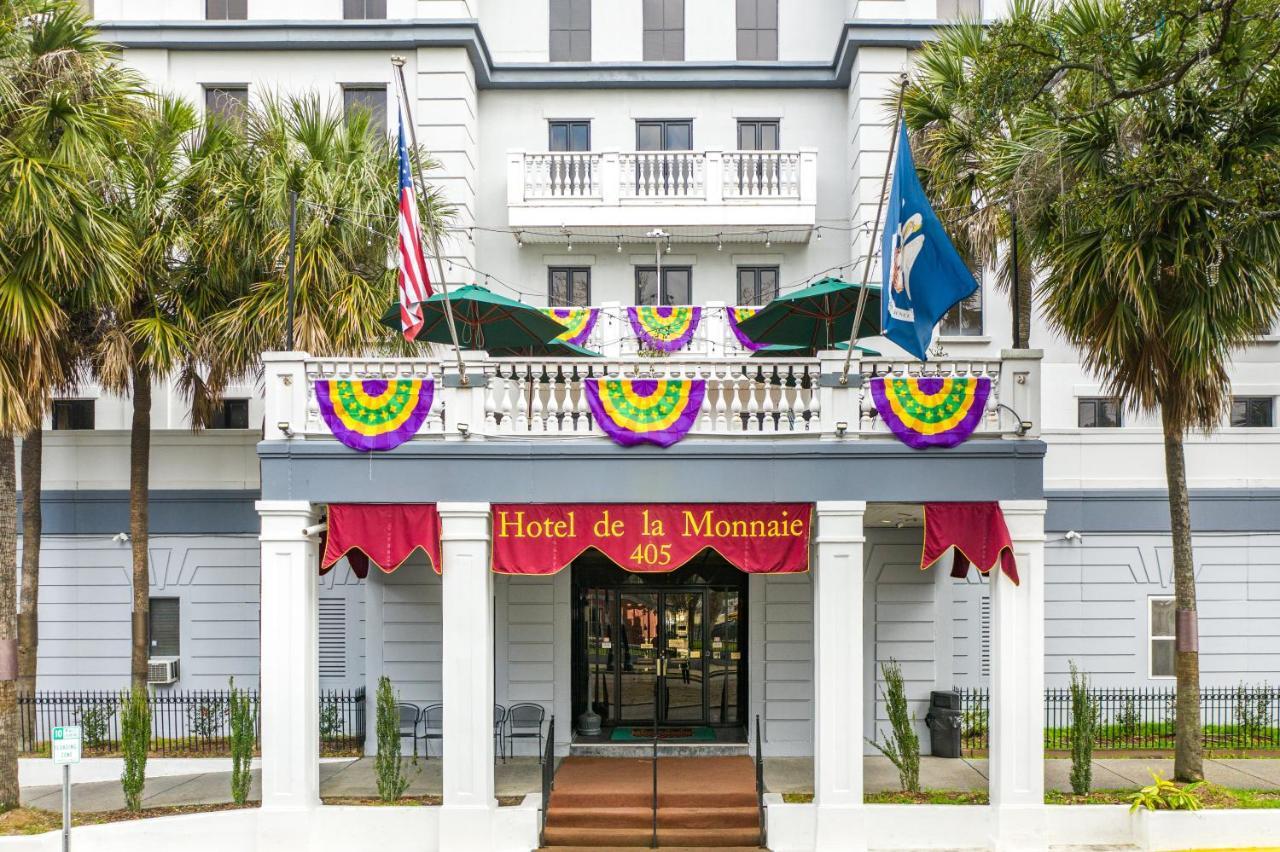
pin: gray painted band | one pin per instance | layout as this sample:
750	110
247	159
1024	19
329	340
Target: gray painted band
467	33
759	469
176	512
1147	510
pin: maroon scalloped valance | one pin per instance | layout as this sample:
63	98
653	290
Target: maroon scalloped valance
385	534
978	533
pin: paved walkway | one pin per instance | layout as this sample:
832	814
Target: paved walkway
521	776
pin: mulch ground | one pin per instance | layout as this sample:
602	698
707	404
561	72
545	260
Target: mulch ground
37	821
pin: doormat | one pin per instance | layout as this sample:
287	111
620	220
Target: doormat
700	734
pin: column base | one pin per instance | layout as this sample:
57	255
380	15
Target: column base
467	827
1019	828
840	827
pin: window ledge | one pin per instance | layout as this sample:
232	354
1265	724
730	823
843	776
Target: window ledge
1266	339
963	338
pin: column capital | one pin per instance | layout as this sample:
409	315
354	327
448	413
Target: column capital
285	520
1024	518
841	507
464	521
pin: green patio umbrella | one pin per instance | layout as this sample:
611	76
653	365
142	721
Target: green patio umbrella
484	319
817	317
787	350
552	348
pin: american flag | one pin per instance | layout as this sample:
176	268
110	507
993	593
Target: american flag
415	285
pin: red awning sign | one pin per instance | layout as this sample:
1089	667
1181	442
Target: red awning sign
765	538
385	534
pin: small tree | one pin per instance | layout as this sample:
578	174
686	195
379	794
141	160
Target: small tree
901	746
135	737
243	724
392	780
1084	724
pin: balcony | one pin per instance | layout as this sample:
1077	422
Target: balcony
544	399
608	193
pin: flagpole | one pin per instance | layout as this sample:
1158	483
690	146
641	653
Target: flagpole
871	247
398	62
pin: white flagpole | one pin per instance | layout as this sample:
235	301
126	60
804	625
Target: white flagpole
402	102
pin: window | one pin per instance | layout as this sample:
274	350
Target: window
965	317
364	10
757	285
664	30
677	285
758	135
664	135
162	628
229	102
371	100
231	414
1255	411
1160	632
570	30
569	136
1101	412
757	29
333	637
226	10
569	286
71	414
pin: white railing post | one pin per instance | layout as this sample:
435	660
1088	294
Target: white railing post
1020	387
840	404
715	177
285	403
610	177
809	176
515	177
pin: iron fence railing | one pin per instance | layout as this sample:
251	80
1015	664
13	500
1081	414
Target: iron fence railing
183	722
1232	718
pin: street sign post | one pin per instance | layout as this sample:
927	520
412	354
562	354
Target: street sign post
66	751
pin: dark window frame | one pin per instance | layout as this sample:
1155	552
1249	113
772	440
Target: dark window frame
951	326
569	272
223	90
662	29
665	124
758	287
226	10
69	412
758	125
662	284
755	31
1168	639
152	649
223	418
574	28
569	125
1096	408
377	112
358	10
1250	406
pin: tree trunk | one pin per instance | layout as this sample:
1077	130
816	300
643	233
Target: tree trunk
29	600
1188	756
1023	338
8	625
139	477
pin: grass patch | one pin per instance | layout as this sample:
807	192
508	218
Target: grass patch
375	801
797	798
1211	796
929	797
36	821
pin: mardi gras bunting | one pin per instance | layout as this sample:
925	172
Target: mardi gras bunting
578	321
931	411
645	411
664	327
373	414
737	316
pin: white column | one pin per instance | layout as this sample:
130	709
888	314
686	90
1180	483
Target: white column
1017	686
290	657
838	692
467	678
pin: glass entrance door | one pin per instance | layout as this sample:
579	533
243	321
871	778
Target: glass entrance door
682	686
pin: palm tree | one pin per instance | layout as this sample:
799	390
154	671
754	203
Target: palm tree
62	101
1146	149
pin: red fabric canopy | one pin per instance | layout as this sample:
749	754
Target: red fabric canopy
977	532
385	534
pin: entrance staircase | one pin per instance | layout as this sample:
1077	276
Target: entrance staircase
702	803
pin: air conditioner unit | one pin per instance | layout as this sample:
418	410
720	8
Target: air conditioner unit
162	670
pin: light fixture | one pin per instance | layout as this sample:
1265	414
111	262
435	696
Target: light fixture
719	243
668	245
619	245
768	240
464	430
1024	426
285	429
120	537
519	241
1072	535
841	427
819	233
568	243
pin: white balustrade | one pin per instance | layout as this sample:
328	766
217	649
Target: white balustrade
648	175
871	424
560	174
761	174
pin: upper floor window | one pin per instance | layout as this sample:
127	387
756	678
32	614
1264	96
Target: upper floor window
569	135
1099	412
372	100
676	287
72	414
664	135
364	10
231	414
226	10
1255	411
664	30
230	102
965	317
757	285
758	135
570	30
1161	636
569	286
757	29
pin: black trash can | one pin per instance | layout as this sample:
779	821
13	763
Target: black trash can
944	723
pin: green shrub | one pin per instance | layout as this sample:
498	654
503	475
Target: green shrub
1127	721
391	777
1162	795
901	746
330	720
243	715
1084	724
207	716
94	720
135	737
1251	710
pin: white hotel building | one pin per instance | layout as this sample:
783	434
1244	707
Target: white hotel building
558	125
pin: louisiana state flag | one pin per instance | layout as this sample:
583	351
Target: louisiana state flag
924	275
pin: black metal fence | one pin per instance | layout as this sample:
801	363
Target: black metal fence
183	722
1236	718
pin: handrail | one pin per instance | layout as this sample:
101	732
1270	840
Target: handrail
764	831
657	689
548	777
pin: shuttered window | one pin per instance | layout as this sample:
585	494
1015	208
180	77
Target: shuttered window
984	636
333	637
164	628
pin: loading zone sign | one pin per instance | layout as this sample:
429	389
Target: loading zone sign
66	744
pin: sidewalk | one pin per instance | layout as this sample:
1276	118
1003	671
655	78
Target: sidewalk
521	776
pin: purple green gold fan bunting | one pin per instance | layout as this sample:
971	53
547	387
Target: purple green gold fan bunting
665	328
652	411
736	317
931	411
578	321
373	414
